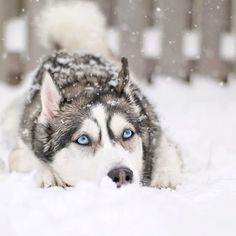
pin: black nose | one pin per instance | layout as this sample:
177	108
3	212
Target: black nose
121	176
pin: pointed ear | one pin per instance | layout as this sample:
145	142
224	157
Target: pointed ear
50	98
123	77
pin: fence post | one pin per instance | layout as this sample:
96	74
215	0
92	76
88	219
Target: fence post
233	15
233	27
107	8
133	16
213	22
173	21
7	9
2	59
35	50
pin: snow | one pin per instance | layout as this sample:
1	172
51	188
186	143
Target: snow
201	118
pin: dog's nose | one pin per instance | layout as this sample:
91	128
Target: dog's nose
121	176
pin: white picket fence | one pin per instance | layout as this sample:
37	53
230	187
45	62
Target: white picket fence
163	37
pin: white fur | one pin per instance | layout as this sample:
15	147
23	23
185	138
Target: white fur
10	120
168	166
74	26
100	115
22	159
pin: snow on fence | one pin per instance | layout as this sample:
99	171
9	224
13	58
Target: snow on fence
161	37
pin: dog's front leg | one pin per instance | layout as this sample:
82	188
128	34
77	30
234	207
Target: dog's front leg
167	170
22	159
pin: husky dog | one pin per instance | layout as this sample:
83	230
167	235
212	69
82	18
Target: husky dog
84	118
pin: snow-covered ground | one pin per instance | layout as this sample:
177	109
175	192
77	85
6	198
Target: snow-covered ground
201	118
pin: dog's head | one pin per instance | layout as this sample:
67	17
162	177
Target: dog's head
92	136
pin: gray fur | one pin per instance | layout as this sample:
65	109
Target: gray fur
84	80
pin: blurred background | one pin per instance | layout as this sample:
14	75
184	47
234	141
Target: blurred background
173	38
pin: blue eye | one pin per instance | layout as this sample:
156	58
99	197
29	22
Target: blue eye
127	134
83	140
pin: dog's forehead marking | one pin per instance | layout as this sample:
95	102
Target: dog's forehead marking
99	114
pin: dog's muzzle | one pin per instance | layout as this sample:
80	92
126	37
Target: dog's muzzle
121	176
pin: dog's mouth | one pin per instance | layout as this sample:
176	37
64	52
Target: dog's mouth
121	176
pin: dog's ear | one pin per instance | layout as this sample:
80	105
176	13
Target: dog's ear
50	98
123	77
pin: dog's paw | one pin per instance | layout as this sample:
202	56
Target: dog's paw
167	172
46	177
167	179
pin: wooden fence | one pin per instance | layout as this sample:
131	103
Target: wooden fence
163	37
